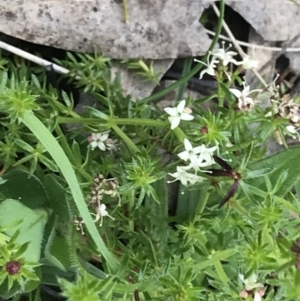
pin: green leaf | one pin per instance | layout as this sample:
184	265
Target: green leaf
286	204
226	91
31	228
285	161
250	174
216	257
22	249
57	197
60	158
247	157
97	113
221	273
35	81
76	153
30	190
24	145
48	163
57	249
249	189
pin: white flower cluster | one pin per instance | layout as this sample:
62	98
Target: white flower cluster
225	57
102	141
179	113
198	157
245	103
252	288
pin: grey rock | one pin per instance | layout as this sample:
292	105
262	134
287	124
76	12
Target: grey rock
156	30
274	20
135	85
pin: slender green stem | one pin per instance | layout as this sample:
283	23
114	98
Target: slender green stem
125	138
37	294
186	69
145	122
130	209
196	68
119	121
179	134
79	120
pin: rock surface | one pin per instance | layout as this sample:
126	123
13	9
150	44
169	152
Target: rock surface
156	29
135	85
274	20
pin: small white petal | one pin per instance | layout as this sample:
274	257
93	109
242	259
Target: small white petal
187	145
102	146
104	136
184	155
257	297
185	116
291	129
94	144
269	114
202	73
175	122
171	111
237	93
242	277
181	106
199	149
187	111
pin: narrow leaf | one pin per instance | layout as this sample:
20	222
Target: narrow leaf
60	158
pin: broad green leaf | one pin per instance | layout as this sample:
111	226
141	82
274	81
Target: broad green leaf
57	251
191	200
62	161
26	188
285	161
57	197
30	229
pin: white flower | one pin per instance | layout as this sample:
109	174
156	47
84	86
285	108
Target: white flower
251	286
179	113
291	129
269	114
184	177
100	213
79	222
251	282
257	296
199	163
249	63
295	118
225	56
244	101
206	154
111	144
98	139
190	152
211	65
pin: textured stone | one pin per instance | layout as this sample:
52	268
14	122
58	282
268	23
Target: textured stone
157	29
274	20
135	85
